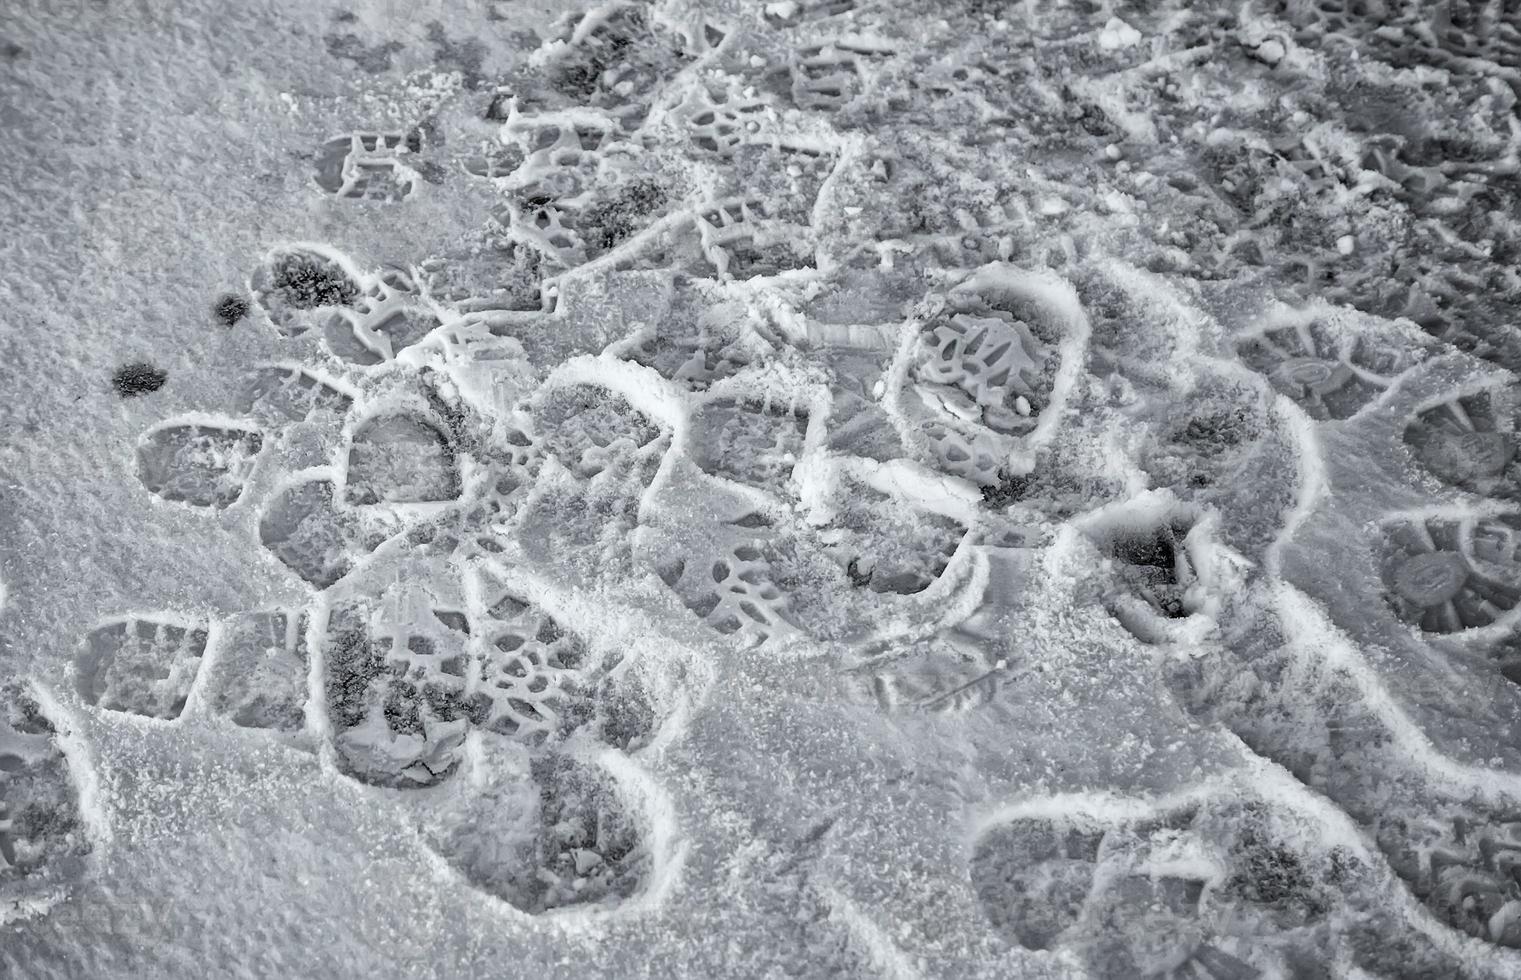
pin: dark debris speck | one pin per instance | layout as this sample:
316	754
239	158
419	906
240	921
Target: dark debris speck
609	223
374	59
578	80
307	283
1006	491
138	379
230	308
463	56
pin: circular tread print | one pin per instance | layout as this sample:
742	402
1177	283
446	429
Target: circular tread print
1331	375
1446	576
1470	442
1463	864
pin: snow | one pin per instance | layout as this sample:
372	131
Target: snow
759	489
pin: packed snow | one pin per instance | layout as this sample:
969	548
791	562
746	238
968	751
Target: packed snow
828	488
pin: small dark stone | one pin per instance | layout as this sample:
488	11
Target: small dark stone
431	132
432	171
497	110
230	308
138	379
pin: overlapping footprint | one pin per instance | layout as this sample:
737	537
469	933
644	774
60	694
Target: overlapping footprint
429	659
1211	886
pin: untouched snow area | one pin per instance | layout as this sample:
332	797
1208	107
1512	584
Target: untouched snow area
823	488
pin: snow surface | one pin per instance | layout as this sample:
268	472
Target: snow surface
821	488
